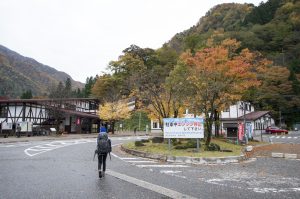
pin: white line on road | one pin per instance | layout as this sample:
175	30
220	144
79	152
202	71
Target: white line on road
129	158
156	188
36	150
170	171
114	155
173	173
141	161
162	166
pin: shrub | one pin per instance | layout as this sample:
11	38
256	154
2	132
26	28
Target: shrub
144	140
181	147
192	143
212	147
176	141
157	140
138	143
226	150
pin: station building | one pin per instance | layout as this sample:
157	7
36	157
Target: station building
69	115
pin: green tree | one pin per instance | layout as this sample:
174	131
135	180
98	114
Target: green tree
67	89
89	83
276	93
107	88
26	95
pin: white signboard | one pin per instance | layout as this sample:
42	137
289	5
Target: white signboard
183	127
6	126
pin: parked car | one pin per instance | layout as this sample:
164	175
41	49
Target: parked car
275	129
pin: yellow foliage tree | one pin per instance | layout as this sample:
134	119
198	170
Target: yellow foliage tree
164	105
114	111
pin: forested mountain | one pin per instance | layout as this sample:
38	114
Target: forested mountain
19	74
271	29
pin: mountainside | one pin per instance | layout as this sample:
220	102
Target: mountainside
19	74
272	28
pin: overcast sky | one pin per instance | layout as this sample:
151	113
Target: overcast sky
80	37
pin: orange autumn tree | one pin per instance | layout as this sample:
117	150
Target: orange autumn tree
218	76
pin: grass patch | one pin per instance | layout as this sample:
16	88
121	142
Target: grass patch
163	149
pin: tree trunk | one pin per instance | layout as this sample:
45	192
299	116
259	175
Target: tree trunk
209	122
208	129
217	123
113	127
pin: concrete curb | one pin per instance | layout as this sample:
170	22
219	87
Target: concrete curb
285	155
186	160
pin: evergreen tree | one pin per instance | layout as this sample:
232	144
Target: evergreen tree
26	95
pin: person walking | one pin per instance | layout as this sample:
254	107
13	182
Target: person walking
103	129
18	130
103	148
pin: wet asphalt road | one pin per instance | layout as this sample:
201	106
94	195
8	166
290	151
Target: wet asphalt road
292	137
64	169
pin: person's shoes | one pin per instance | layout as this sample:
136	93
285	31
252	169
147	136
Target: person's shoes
103	173
100	174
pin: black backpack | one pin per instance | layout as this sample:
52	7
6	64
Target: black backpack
104	144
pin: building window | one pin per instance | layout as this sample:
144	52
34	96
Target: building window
226	109
155	125
3	111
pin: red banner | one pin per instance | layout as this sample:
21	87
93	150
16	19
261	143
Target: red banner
241	131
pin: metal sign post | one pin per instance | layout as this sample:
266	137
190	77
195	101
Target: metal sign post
198	148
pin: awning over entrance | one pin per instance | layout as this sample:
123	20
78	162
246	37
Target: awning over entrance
230	125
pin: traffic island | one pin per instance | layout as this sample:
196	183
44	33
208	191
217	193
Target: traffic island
185	159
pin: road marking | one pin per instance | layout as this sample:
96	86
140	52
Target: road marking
130	158
282	137
36	150
153	187
141	161
172	173
162	165
264	190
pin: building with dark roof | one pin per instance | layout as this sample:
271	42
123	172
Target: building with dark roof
242	112
69	115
